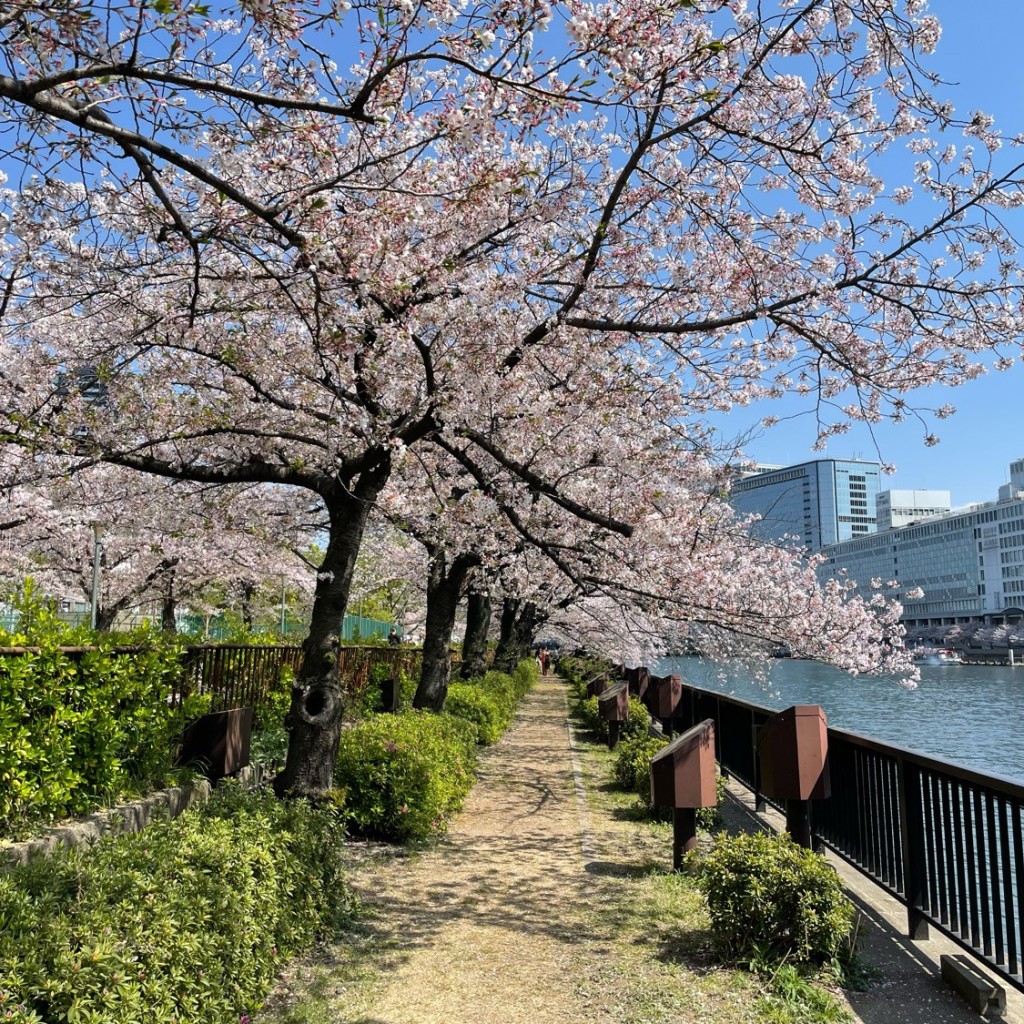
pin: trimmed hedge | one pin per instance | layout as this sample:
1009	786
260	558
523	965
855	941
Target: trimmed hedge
490	702
405	775
187	922
80	731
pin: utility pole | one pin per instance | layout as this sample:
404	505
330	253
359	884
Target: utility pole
97	549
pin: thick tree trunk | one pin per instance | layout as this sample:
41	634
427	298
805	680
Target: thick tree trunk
168	614
520	621
105	618
444	587
169	607
314	718
247	595
474	646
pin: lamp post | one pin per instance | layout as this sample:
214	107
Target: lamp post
282	607
97	550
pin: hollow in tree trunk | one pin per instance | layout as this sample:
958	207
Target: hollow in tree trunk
314	718
444	587
474	646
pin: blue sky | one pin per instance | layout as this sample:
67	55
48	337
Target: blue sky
981	50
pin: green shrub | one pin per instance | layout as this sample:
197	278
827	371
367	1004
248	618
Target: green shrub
275	703
637	722
489	713
772	901
77	732
525	676
632	768
269	747
709	818
188	921
405	775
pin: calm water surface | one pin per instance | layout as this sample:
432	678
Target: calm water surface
970	715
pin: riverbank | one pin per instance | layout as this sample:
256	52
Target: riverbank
549	901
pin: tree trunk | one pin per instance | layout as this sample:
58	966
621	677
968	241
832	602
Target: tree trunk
444	587
248	590
474	647
314	718
520	621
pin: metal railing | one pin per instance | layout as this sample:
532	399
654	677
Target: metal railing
235	675
944	840
247	675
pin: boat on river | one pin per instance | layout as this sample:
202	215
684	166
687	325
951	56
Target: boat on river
936	656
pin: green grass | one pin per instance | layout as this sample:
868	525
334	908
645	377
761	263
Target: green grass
662	963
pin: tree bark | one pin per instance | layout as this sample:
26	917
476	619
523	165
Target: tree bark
474	646
248	590
314	718
520	621
444	587
168	607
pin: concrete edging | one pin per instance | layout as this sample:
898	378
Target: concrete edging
129	817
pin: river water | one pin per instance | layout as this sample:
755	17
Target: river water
972	715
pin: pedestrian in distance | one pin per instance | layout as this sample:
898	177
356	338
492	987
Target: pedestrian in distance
393	638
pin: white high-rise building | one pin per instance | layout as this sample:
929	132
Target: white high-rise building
969	562
901	508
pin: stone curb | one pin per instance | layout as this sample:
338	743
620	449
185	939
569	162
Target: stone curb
130	817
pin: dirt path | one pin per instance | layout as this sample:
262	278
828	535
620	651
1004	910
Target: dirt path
487	918
525	913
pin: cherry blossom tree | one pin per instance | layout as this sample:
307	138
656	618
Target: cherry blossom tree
286	263
162	542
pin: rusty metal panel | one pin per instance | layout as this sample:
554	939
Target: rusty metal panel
638	679
664	695
614	703
793	749
683	772
218	743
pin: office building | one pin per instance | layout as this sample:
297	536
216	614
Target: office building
969	562
901	508
814	503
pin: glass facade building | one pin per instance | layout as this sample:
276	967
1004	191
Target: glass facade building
813	504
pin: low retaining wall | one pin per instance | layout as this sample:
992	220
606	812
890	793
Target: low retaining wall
129	817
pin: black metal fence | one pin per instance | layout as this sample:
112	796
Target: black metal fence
235	675
249	675
946	841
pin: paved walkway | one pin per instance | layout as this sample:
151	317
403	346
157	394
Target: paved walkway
532	911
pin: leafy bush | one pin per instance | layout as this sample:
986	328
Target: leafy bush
772	901
709	818
485	709
268	747
405	775
187	921
637	718
78	731
632	768
272	707
368	699
525	676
